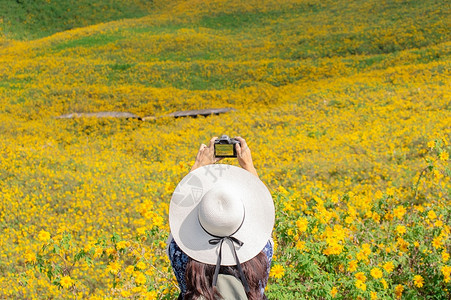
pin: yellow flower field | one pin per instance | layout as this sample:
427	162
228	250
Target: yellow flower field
345	105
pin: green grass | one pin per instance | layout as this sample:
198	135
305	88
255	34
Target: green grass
88	41
239	21
31	19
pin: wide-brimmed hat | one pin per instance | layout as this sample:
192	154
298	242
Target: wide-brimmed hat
221	210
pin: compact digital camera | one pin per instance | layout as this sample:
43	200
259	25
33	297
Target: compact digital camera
225	146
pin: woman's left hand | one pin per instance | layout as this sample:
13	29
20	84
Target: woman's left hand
206	155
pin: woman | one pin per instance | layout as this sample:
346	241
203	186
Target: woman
221	219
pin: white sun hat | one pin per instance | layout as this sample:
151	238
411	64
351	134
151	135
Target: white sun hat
219	210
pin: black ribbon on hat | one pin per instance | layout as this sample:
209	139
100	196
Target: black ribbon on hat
220	241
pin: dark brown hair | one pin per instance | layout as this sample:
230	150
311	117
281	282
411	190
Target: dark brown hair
199	278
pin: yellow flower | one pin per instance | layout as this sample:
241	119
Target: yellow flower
302	224
366	248
277	271
288	207
125	293
431	144
98	251
432	215
445	256
360	276
360	285
110	251
352	266
361	256
376	217
114	267
333	292
141	230
282	190
437	242
438	223
384	283
388	266
402	244
398	290
66	282
376	273
446	271
158	221
129	270
138	289
141	265
399	212
121	245
30	257
444	156
418	281
276	244
334	247
437	174
140	278
148	214
419	208
43	236
151	295
378	194
390	191
300	245
373	295
401	229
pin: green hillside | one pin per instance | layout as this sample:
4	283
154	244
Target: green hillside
31	19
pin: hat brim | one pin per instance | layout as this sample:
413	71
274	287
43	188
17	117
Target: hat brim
194	240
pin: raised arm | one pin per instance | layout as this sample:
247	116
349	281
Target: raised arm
244	156
206	155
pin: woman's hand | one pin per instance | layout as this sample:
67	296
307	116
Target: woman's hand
243	154
206	155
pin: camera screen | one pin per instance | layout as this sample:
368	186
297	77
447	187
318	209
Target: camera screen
224	149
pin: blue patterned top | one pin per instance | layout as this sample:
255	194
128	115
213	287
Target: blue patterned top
179	260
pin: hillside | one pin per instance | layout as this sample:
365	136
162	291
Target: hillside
345	105
25	19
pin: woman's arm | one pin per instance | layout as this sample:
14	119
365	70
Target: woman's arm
206	155
244	156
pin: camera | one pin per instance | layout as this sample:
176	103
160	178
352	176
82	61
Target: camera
225	146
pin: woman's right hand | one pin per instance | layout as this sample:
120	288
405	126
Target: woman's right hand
206	155
244	156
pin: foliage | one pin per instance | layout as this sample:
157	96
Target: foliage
349	246
345	106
